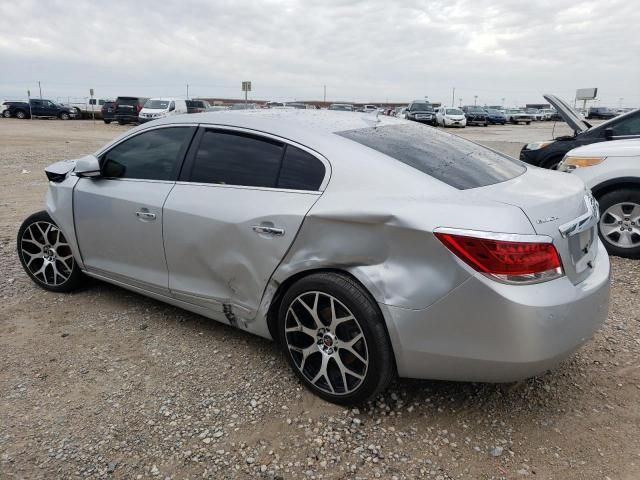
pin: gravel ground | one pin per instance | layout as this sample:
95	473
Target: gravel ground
107	383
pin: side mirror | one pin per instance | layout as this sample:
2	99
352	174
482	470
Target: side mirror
608	133
88	166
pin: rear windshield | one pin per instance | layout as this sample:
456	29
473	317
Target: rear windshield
450	159
127	101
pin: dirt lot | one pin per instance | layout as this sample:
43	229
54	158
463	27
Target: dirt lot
109	383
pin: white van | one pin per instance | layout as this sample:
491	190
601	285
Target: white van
155	108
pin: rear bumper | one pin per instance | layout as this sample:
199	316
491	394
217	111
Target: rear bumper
126	118
492	332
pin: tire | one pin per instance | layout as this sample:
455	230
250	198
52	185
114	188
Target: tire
107	122
6	114
311	345
626	201
485	124
21	114
527	123
78	114
65	116
121	122
46	256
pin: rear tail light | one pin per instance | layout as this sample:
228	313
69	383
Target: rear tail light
508	258
138	107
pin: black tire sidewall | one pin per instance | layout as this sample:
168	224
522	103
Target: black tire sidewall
609	199
74	280
381	366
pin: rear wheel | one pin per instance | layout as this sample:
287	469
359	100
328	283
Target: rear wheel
107	122
6	114
121	122
21	114
46	255
619	225
335	339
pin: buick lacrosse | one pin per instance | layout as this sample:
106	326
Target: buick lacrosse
367	247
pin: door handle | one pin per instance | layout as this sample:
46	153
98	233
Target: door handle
268	230
145	215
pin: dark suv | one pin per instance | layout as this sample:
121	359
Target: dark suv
602	113
127	109
197	106
108	112
548	154
475	115
421	111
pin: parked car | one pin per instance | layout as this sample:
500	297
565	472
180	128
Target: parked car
296	105
38	108
421	111
450	117
517	115
127	109
274	105
198	106
341	107
475	115
548	113
495	117
270	223
8	112
89	107
244	106
601	113
369	108
612	171
108	112
156	108
549	153
536	114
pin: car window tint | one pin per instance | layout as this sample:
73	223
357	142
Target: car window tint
233	158
627	126
153	155
450	159
300	170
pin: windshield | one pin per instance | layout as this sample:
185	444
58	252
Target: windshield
457	162
454	111
494	112
157	104
475	109
421	107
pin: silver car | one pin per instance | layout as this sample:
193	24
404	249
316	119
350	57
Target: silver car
367	247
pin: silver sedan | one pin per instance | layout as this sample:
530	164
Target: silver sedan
368	247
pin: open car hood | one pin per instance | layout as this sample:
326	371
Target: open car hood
567	113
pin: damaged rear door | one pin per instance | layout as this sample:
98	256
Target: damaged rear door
231	218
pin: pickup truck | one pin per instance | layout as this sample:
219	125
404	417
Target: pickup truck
39	108
88	107
517	115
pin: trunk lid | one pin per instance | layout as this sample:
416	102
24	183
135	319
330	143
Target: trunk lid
567	113
557	205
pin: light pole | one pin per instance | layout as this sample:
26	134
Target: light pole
502	102
475	100
460	100
453	97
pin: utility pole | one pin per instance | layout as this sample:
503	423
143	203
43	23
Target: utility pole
475	100
453	97
40	88
324	95
187	91
460	100
502	104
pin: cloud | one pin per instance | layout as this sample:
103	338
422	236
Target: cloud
362	51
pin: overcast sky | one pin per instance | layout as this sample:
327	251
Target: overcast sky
375	50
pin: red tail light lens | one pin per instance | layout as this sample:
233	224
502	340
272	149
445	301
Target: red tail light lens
511	261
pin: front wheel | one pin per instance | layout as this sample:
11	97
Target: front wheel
65	116
335	338
46	255
107	122
619	225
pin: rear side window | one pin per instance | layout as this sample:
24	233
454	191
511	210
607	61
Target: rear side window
152	155
232	158
300	170
450	159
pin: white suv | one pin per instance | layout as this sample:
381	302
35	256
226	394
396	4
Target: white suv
612	171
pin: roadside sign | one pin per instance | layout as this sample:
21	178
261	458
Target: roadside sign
91	92
246	86
586	93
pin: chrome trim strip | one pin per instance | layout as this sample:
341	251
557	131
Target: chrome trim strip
505	237
585	221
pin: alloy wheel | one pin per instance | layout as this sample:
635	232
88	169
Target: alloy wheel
326	343
620	225
46	253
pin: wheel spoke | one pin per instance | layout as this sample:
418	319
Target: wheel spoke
353	352
607	229
313	311
300	327
322	373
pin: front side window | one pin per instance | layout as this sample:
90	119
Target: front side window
457	162
233	158
151	155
